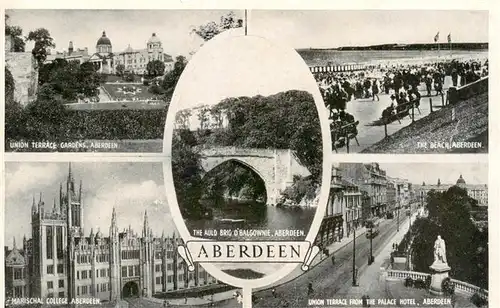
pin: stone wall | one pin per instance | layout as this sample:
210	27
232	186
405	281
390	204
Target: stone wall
23	68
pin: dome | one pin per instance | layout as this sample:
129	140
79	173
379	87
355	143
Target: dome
129	49
153	39
460	180
103	40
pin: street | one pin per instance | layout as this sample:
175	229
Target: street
328	280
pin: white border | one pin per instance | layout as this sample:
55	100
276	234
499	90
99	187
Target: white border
494	147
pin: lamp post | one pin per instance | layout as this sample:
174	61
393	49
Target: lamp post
399	204
354	259
370	261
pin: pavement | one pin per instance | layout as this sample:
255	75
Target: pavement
367	111
369	278
329	280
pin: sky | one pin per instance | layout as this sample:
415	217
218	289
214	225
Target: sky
241	66
123	27
416	173
297	29
131	188
330	29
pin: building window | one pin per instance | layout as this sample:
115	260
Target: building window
158	280
169	266
18	291
50	285
108	273
59	242
61	283
50	269
78	275
137	270
60	268
61	294
84	274
78	290
158	268
90	274
49	246
130	271
169	279
84	290
124	271
18	273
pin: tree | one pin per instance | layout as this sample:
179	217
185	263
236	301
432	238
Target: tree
211	29
155	68
43	41
449	216
186	172
120	69
252	124
18	44
89	80
45	116
14	116
172	77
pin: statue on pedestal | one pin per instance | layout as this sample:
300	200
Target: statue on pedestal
440	267
439	250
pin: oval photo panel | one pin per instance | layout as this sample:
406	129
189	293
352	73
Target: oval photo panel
246	137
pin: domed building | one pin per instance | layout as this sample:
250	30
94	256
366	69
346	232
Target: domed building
136	60
105	61
461	182
103	46
475	191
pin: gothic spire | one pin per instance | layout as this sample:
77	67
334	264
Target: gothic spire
33	206
80	191
14	242
70	175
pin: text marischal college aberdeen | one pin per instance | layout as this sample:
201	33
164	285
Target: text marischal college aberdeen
59	261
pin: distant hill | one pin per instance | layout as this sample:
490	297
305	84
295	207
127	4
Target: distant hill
431	46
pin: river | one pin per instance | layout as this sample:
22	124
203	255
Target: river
251	215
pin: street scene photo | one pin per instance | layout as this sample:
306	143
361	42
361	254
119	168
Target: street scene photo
394	234
389	87
99	234
247	150
104	86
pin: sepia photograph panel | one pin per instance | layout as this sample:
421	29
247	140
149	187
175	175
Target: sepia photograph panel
394	81
394	234
98	80
247	149
97	235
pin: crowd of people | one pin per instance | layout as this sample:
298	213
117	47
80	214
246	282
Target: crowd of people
402	82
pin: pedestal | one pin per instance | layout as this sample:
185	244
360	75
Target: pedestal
439	273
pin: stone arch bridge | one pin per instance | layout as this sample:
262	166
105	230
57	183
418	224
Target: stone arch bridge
275	167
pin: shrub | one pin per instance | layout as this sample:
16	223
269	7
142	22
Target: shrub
478	300
408	282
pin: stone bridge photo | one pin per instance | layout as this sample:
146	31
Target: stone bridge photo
276	167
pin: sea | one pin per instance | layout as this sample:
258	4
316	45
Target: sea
323	57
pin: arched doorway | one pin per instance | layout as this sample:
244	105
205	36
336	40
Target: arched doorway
130	289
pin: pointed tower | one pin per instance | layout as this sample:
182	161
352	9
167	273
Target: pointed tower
439	182
114	261
147	247
33	207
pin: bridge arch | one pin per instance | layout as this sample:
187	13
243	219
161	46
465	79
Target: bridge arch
275	167
245	164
